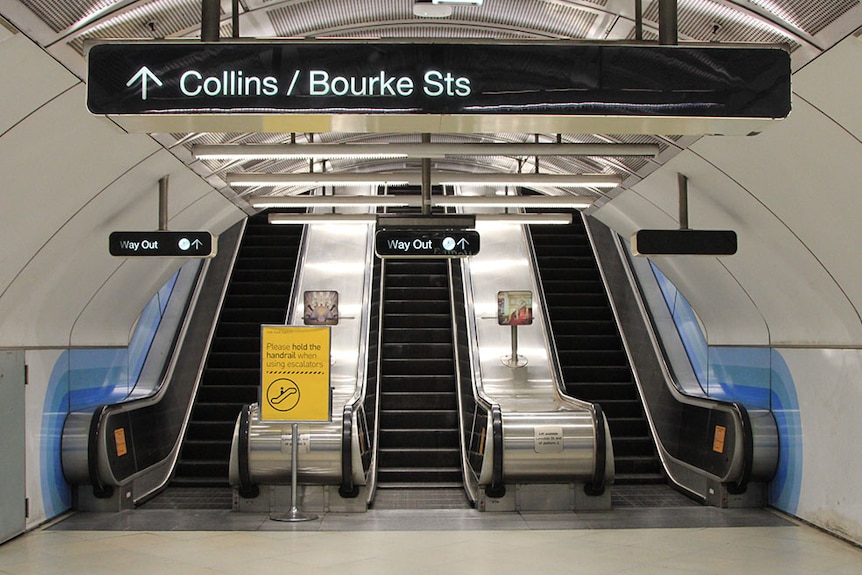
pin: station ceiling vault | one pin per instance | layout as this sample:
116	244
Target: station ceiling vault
806	27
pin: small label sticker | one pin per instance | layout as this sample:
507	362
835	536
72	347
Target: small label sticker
548	439
718	439
303	444
120	441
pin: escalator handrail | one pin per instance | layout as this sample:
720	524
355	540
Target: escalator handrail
496	487
101	490
101	475
739	412
597	483
247	488
557	370
348	488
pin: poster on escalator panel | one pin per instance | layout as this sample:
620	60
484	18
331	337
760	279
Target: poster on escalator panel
294	369
514	308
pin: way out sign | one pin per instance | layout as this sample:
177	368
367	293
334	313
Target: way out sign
295	375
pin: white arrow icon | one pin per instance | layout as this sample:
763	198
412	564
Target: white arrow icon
197	244
463	243
145	75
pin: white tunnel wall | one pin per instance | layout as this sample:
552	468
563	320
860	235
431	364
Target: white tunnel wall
69	179
790	193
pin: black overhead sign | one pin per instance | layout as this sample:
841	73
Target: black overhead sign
684	242
426	243
482	79
162	244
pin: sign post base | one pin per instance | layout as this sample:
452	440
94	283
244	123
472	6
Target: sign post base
294	515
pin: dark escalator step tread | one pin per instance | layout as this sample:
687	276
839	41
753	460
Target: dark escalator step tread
395	438
210	430
227	360
574	327
227	394
622	408
232	377
596	374
593	357
417	308
206	449
414	367
559	276
415	382
640	479
575	314
216	412
258	316
241	288
609	342
418	335
236	345
625	446
425	350
409	320
418	457
418	400
419	420
267	301
602	391
635	464
180	481
202	468
412	293
418	475
628	427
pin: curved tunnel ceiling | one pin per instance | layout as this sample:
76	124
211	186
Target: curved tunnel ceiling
807	27
59	286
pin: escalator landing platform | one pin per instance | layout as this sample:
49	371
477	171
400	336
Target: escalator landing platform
631	510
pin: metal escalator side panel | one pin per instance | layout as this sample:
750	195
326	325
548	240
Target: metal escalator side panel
729	446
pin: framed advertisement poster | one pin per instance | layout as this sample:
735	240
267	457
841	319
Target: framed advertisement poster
515	307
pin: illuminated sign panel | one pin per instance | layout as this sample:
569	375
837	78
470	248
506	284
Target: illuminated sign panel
551	79
426	243
194	244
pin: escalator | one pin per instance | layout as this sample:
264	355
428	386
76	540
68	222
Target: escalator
419	437
590	349
258	293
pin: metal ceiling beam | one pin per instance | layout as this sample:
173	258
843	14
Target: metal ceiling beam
423	150
415	179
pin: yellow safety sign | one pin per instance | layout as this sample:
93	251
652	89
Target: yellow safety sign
294	369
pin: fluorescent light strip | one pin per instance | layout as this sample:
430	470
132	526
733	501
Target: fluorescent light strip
574	202
321	179
333	201
415	178
300	219
578	202
546	219
303	219
414	150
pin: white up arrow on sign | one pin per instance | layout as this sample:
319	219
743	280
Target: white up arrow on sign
145	75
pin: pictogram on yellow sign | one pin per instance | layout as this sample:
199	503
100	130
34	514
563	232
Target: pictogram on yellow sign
294	369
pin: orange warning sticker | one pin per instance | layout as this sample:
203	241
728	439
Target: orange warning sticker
120	441
718	439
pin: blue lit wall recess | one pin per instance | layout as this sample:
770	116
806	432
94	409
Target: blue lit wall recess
757	377
85	378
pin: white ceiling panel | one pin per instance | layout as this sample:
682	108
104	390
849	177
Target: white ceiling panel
813	83
42	306
30	78
53	163
109	320
774	269
728	314
806	172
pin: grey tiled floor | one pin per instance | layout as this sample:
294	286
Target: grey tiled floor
634	507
